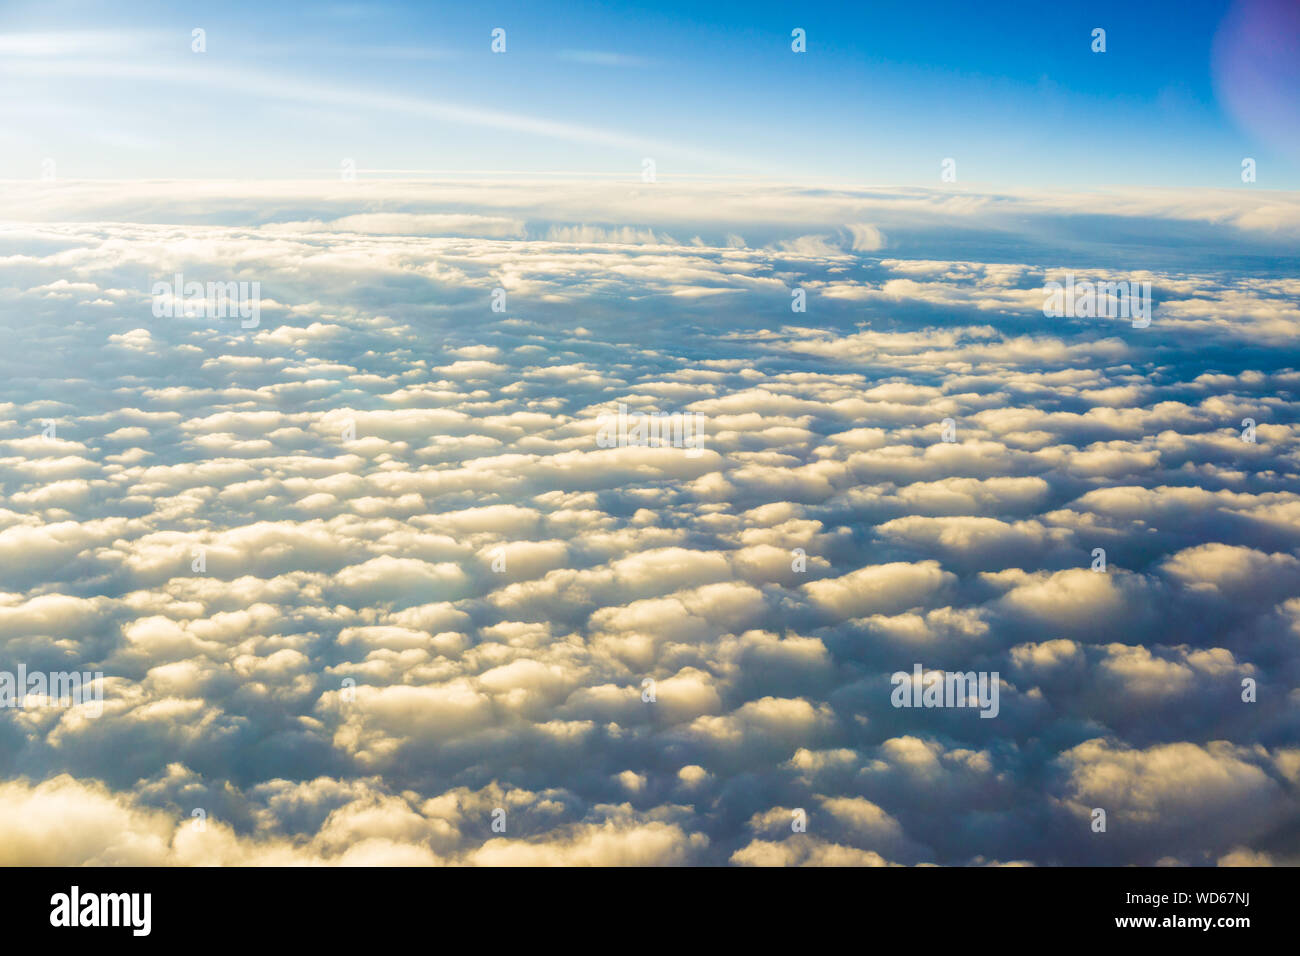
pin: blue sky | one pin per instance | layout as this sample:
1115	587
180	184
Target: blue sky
886	91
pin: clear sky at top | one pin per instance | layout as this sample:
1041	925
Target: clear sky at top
1013	92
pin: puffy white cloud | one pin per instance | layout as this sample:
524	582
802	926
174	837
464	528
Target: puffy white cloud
362	576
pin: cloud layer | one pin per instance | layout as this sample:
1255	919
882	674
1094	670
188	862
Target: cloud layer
363	583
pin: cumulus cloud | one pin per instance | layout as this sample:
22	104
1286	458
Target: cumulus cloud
364	587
